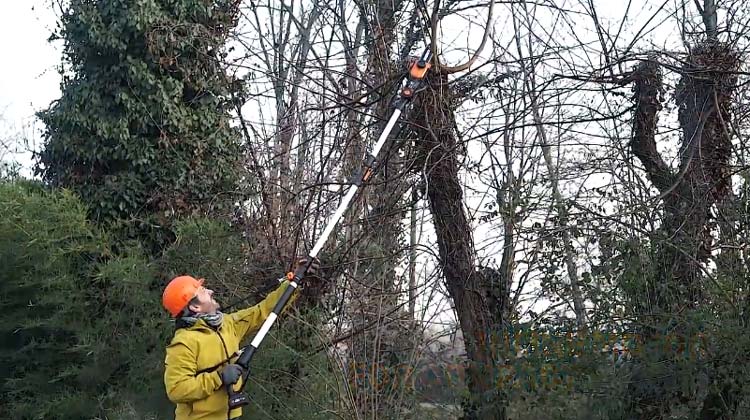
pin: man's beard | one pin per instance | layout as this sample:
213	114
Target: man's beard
216	306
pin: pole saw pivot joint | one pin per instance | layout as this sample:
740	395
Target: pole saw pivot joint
414	82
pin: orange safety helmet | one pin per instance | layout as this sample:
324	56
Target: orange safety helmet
179	292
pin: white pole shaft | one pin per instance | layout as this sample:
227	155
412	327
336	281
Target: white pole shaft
264	330
353	189
331	224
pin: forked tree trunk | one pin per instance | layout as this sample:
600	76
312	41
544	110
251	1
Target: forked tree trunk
684	240
434	121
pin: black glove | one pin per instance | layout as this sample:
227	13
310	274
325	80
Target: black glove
314	266
230	374
314	285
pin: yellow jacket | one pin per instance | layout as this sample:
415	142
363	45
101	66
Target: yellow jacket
201	395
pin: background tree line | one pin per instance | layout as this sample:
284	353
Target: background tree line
571	179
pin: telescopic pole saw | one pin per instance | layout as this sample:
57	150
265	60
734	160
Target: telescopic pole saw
412	83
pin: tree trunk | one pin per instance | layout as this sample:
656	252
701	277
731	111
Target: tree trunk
684	240
467	288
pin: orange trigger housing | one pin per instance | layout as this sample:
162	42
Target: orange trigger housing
416	72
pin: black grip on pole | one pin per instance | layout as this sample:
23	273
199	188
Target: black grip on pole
245	357
244	362
284	299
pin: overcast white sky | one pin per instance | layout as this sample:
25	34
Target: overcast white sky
28	76
28	79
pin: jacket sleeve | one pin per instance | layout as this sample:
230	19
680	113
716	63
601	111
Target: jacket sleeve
252	318
180	379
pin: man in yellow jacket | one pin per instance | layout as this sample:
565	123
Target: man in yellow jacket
198	363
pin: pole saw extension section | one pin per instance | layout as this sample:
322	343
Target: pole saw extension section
413	82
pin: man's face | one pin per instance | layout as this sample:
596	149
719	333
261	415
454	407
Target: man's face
206	303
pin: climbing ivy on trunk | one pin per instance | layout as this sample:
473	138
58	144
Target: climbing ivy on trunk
142	130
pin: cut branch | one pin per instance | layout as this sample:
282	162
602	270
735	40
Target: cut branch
648	84
433	46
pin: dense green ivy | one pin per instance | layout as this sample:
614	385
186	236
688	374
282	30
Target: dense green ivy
142	130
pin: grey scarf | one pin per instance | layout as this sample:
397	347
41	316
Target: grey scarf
213	320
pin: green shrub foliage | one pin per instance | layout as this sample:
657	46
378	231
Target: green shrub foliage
83	331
